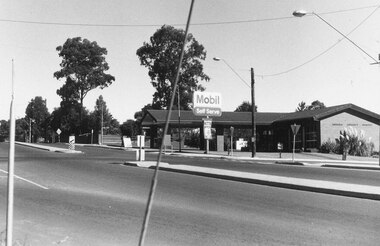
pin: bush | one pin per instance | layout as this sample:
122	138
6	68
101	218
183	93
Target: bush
353	143
329	147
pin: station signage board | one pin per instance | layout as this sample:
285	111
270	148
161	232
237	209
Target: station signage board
207	122
207	104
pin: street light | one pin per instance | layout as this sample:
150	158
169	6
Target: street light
253	139
301	13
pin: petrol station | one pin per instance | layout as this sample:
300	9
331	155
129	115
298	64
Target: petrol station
315	127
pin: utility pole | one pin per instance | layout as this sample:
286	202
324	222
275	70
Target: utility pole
179	123
101	127
253	113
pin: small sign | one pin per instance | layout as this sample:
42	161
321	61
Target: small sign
127	142
241	143
203	111
231	130
207	128
280	146
59	131
295	128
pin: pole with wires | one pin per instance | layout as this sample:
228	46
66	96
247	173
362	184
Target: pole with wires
155	175
301	13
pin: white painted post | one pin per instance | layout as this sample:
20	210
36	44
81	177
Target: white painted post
294	146
11	160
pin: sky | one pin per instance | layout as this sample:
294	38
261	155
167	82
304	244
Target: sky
294	59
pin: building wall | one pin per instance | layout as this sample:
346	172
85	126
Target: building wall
331	126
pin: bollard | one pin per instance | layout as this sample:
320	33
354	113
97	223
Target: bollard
140	153
72	142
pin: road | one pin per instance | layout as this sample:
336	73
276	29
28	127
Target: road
92	199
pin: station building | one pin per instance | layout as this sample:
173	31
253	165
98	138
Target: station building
316	126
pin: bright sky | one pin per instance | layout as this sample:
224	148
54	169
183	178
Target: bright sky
261	34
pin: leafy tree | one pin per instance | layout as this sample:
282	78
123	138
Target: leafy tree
301	106
69	92
161	55
245	106
314	105
83	66
4	130
21	130
129	128
37	114
67	119
140	114
111	125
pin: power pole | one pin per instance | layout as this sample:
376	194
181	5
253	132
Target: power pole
253	113
101	127
179	123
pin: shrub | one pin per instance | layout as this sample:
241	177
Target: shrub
354	143
329	147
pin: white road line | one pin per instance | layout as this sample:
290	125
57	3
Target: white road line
26	180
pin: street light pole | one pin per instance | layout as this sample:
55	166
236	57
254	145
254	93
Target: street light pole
179	122
253	113
301	13
101	127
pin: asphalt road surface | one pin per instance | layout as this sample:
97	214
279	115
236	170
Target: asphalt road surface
92	199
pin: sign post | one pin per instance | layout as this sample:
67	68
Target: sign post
207	104
295	129
280	147
59	135
232	140
207	122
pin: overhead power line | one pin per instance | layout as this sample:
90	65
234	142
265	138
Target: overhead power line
323	52
158	25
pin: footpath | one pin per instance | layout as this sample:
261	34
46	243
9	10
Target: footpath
314	159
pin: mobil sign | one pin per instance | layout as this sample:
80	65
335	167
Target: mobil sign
207	103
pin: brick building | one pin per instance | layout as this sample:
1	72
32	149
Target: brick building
316	126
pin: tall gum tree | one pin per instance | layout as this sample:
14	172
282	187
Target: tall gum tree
84	63
161	56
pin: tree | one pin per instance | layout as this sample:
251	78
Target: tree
314	105
66	118
83	66
111	125
301	106
161	57
69	92
4	130
37	114
245	106
139	115
129	128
